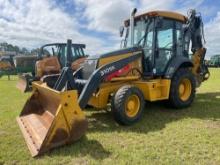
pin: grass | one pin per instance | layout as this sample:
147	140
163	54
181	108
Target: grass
163	136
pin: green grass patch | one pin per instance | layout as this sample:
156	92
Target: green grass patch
163	136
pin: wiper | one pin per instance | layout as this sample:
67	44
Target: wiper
147	27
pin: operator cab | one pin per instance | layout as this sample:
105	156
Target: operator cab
160	35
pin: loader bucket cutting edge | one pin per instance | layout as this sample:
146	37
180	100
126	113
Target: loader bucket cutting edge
50	119
23	84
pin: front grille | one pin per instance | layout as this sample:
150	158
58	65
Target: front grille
88	68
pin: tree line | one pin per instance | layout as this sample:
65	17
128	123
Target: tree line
4	46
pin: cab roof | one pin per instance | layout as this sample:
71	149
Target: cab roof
63	44
166	14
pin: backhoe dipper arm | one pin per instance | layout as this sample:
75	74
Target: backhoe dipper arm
194	32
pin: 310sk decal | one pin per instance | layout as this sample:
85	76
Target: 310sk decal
107	70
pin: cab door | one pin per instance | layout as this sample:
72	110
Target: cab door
164	47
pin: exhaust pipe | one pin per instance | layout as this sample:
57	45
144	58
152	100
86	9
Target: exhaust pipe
132	25
69	53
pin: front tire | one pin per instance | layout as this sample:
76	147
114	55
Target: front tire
182	90
128	105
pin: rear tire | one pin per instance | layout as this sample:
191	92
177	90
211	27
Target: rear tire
128	105
182	89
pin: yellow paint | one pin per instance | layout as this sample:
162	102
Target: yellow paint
185	89
107	60
134	64
132	106
68	120
165	14
4	65
196	60
127	78
152	90
101	98
172	15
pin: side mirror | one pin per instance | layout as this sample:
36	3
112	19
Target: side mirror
121	30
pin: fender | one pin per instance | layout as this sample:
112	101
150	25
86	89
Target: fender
175	64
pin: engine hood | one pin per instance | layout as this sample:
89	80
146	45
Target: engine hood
115	53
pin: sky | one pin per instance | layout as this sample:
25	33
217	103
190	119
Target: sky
32	23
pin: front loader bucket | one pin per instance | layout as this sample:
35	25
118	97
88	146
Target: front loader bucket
24	83
51	118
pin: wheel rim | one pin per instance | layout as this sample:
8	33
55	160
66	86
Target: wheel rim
132	106
185	89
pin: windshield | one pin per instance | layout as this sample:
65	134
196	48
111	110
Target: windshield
52	50
77	51
140	35
60	51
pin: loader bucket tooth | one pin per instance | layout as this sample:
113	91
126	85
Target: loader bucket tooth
24	83
51	118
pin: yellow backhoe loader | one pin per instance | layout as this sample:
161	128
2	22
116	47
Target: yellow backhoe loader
5	64
154	64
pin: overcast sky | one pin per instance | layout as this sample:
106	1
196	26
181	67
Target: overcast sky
31	23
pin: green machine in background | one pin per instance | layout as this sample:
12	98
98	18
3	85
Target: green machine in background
215	61
13	65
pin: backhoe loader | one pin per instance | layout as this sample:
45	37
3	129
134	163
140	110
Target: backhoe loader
154	64
51	59
6	65
6	62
